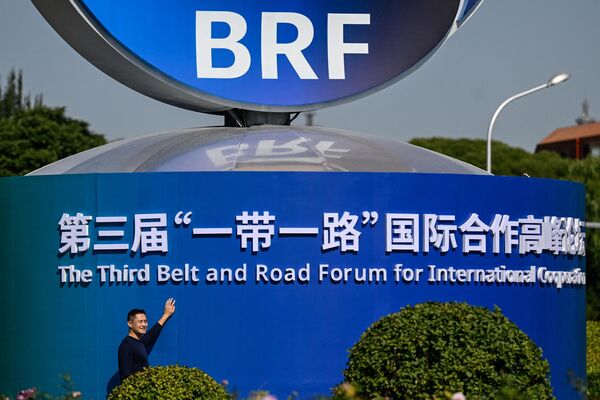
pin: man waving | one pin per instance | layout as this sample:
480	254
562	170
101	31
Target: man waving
137	345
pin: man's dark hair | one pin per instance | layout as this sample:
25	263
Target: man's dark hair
131	314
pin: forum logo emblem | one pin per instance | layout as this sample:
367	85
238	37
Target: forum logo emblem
262	55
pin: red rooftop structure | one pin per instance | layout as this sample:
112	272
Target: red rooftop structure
577	141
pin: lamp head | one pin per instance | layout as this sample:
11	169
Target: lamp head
560	78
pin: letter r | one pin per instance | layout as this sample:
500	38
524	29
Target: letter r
293	51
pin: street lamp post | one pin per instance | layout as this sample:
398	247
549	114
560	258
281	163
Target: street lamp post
555	80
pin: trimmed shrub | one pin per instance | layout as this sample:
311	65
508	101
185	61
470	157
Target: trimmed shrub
169	383
593	358
432	349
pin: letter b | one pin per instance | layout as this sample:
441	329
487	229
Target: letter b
205	43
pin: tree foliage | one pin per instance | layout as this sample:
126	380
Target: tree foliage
514	161
587	171
33	135
169	383
425	351
593	359
507	160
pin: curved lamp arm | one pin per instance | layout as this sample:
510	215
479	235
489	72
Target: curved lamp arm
555	80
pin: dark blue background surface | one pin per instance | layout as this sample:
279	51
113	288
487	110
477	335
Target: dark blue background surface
280	338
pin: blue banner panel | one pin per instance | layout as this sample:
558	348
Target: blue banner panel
276	274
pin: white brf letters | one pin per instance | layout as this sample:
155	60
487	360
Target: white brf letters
337	48
205	43
293	51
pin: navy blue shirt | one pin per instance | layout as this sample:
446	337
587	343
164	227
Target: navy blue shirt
133	353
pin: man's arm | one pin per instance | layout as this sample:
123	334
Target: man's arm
150	338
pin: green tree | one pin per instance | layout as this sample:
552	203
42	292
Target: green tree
593	360
516	162
508	160
33	135
587	171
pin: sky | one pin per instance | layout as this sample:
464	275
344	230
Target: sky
506	47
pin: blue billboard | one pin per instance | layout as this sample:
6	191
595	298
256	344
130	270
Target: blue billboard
276	274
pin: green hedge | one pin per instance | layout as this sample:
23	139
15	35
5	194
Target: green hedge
593	358
433	349
169	383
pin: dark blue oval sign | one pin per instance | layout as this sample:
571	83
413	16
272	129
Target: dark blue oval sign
263	55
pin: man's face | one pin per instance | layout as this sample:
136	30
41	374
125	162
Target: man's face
138	324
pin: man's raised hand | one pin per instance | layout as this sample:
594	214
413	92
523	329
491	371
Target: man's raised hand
170	307
169	311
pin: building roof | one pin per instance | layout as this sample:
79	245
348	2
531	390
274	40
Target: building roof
572	133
